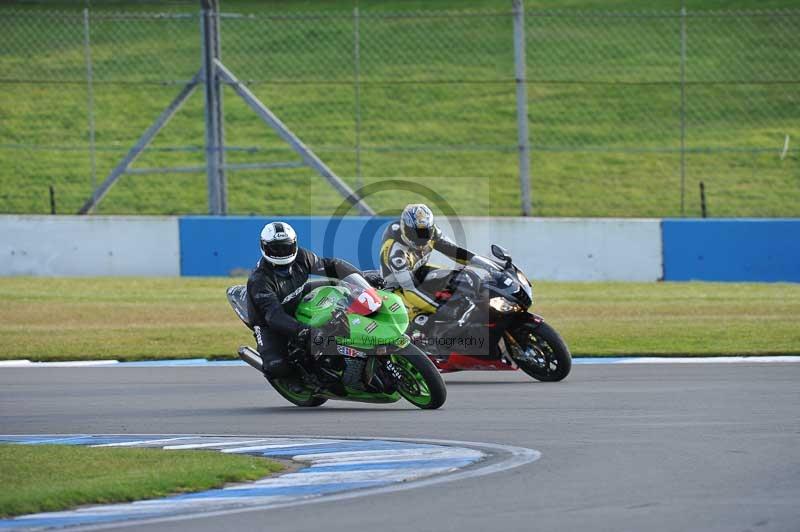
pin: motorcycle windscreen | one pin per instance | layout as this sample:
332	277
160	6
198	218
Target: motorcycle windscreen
364	301
237	297
364	298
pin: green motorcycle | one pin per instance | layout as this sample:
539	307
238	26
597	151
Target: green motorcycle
366	356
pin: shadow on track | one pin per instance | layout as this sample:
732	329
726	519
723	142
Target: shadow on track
327	408
484	383
291	409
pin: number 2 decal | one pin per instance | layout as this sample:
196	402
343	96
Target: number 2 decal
367	299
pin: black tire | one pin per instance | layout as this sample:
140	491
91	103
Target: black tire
412	360
550	360
300	399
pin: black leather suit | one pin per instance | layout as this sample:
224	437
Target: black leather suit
273	297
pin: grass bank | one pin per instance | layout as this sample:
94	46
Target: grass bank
140	319
437	106
45	478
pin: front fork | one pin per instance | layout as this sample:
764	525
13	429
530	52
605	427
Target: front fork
511	323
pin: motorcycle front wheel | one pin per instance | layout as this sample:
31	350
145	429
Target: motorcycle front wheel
541	352
418	380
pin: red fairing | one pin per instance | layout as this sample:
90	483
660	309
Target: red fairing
366	302
535	318
443	295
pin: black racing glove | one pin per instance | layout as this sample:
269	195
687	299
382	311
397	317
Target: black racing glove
375	280
313	339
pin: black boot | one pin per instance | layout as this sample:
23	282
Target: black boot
274	365
450	312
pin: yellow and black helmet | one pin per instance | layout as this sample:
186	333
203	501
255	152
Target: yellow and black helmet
417	227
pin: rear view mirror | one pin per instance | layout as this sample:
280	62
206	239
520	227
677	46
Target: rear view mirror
500	253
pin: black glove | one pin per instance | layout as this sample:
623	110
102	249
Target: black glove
375	280
313	339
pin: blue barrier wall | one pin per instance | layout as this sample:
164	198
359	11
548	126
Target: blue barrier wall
224	246
707	250
732	250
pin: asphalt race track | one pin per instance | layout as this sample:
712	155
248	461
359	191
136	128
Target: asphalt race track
662	447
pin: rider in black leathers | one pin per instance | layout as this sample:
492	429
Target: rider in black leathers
275	288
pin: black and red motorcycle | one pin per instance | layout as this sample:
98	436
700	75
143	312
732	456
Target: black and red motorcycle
484	323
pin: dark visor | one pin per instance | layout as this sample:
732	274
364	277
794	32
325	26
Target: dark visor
280	249
419	235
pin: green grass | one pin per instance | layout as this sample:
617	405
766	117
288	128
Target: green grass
45	478
136	319
606	148
673	319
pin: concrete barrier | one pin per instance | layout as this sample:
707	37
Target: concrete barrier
566	249
572	249
562	249
89	246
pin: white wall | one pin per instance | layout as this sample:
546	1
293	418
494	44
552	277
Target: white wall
89	245
573	249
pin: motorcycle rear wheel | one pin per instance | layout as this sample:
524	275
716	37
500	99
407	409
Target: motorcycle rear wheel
419	381
304	398
545	356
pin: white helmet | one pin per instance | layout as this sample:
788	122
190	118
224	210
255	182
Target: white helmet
278	243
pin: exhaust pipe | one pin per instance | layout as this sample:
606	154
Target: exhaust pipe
249	355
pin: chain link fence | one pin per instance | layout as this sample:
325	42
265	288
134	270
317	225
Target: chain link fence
628	112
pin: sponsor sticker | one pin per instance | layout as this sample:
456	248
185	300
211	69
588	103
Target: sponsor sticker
349	351
293	294
394	307
371	327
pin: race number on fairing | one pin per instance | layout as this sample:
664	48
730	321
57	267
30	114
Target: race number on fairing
372	301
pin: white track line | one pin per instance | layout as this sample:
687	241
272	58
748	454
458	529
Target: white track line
141	442
710	360
65	364
577	361
214	445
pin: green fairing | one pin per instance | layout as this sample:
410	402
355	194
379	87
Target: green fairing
386	327
405	371
363	396
316	307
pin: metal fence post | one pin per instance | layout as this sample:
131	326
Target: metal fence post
522	107
215	138
309	157
87	52
357	90
683	109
